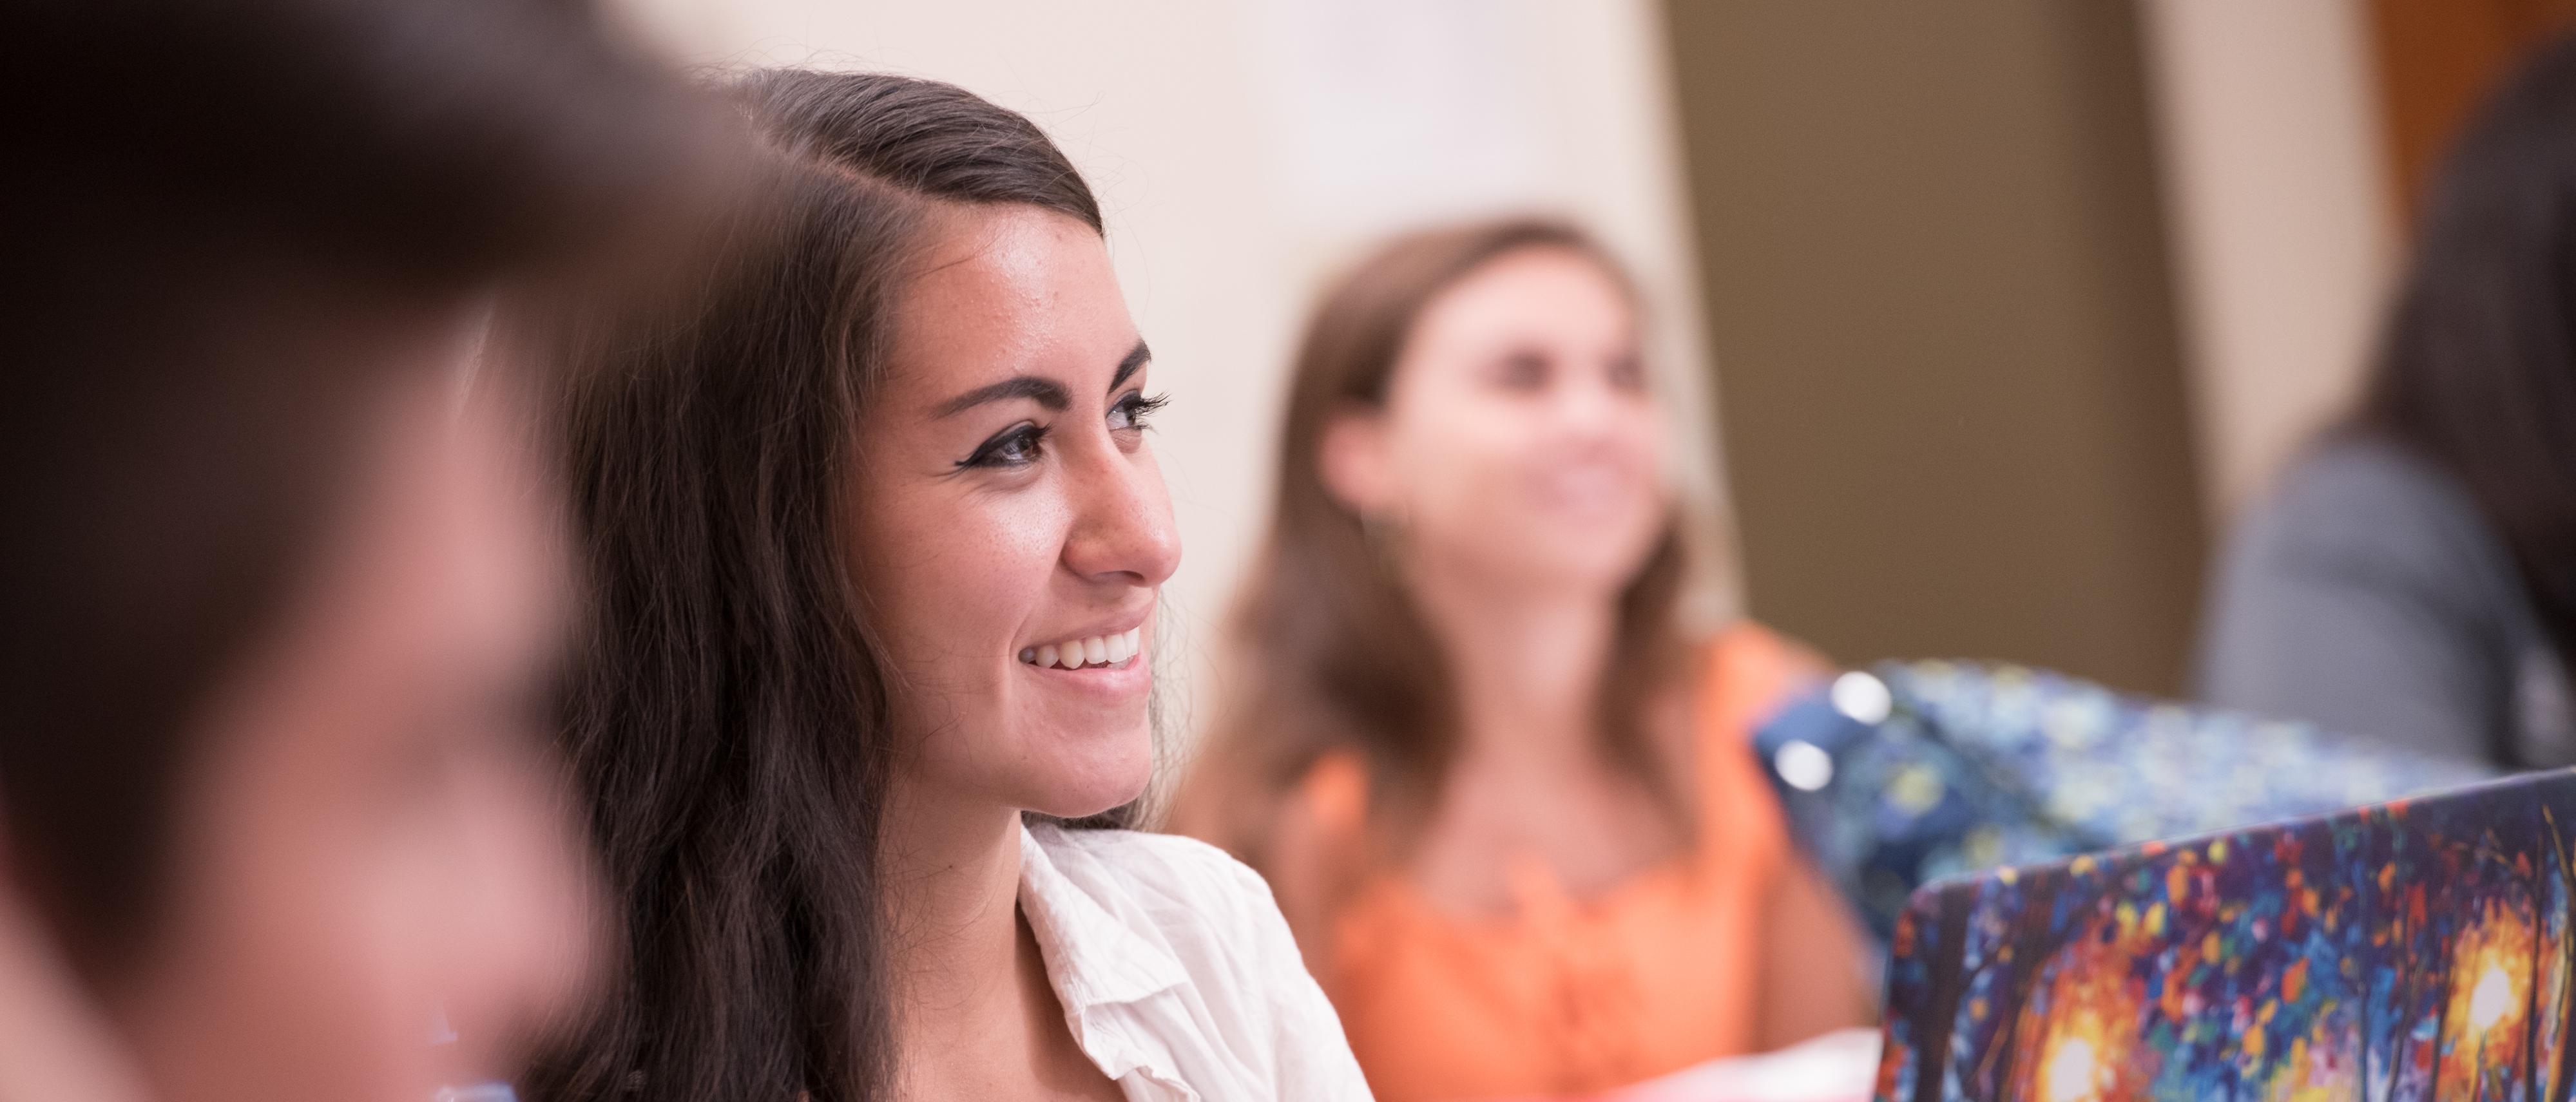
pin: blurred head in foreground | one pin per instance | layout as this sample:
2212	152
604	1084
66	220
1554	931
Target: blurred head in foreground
2410	576
2477	367
279	590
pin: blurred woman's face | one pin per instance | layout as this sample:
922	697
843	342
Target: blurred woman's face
1518	445
371	849
1012	531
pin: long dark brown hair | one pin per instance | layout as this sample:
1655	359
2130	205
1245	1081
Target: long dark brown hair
1330	650
728	714
2477	369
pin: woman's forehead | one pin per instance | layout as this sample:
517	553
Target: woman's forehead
1006	291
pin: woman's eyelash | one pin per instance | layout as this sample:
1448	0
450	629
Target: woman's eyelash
1138	407
1013	447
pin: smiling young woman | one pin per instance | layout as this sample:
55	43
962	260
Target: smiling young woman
1511	812
877	535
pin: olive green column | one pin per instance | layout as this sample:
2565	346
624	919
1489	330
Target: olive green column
1945	346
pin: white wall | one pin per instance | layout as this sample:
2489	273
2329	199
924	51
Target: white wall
1242	148
2281	219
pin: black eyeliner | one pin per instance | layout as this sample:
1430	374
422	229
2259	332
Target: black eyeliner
1030	432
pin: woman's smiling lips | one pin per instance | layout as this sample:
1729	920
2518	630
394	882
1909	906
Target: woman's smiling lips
1112	649
1110	661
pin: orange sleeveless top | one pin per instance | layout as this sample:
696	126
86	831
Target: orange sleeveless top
1568	996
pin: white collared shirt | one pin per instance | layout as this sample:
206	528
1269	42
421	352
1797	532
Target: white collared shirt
1177	973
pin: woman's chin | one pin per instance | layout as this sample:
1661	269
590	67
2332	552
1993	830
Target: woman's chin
1088	804
1102	783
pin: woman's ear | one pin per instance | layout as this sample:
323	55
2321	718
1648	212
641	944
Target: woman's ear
1353	464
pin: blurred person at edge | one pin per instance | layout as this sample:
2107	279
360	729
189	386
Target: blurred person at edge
877	533
2413	576
1512	816
277	595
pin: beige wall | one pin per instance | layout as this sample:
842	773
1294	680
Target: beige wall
2279	215
1243	147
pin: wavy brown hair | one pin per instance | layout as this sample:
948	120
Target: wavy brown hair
1330	651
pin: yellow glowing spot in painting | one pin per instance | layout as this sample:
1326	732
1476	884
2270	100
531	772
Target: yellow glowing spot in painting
2491	998
2071	1070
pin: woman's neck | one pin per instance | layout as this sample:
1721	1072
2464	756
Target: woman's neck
951	870
1526	663
974	1014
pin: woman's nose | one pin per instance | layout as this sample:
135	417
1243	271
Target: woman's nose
1590	407
1123	521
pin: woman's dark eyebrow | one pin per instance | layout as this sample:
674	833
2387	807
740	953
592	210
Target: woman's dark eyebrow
1045	392
1136	357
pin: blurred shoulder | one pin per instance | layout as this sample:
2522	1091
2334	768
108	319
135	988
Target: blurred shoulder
1749	670
1750	639
2363	488
2360	518
2357	508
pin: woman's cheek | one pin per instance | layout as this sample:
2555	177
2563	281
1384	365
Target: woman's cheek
988	584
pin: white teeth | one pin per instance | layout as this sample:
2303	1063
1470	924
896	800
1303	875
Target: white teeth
1098	650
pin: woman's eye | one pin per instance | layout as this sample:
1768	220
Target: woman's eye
1132	411
1628	375
1016	446
1522	371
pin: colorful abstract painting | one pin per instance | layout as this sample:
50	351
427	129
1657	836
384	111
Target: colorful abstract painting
2415	950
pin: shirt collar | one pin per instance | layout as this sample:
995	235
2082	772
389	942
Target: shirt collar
1094	956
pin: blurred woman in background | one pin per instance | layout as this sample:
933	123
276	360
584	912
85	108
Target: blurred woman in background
1511	814
276	809
2413	577
877	535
